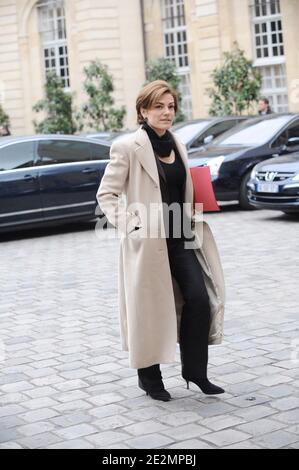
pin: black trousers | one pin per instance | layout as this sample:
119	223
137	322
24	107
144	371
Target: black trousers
195	320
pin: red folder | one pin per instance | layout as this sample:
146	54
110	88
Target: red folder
203	188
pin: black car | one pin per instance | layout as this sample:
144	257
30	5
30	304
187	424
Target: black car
274	184
49	179
198	132
232	156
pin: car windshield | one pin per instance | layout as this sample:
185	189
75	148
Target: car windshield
189	131
252	133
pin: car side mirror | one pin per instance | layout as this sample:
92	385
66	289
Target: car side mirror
293	142
207	140
280	150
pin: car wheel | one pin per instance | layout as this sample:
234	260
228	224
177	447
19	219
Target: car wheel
243	198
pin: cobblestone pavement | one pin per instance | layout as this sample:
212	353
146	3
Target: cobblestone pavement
65	383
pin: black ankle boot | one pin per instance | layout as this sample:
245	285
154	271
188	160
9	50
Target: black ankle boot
205	385
150	380
155	390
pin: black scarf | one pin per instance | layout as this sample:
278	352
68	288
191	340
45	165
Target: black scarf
161	145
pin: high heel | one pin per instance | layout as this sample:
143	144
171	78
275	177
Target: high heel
206	386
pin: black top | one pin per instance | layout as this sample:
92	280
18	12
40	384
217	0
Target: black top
175	174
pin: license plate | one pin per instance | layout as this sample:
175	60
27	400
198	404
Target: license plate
267	188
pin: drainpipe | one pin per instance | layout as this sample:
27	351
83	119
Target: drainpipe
143	31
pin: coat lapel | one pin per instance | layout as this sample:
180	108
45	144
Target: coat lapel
145	154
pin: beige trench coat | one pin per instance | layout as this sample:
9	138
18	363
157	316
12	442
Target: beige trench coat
150	300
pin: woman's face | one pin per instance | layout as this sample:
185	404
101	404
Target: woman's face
160	117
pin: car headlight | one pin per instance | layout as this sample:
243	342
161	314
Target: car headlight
215	164
253	173
294	182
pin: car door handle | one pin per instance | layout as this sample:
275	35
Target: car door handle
89	170
29	177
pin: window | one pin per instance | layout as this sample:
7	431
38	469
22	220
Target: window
269	52
62	151
252	132
176	47
214	130
99	152
17	156
291	131
267	28
52	29
274	86
187	132
265	7
220	128
268	39
185	90
173	13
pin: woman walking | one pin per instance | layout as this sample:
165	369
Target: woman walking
168	292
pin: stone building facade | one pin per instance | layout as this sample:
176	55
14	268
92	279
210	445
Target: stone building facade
65	35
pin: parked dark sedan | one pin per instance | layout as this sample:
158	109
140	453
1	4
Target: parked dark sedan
274	184
198	132
232	156
49	178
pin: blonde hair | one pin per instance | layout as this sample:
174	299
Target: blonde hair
150	94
